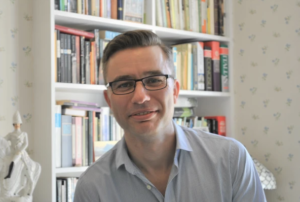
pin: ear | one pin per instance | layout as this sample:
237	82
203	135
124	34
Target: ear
107	99
176	90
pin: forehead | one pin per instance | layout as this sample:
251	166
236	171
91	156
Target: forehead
137	62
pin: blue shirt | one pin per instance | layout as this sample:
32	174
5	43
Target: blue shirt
207	168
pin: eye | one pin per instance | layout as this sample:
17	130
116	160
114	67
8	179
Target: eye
154	80
124	84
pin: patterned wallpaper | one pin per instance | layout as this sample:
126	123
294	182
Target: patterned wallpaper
16	64
267	68
267	88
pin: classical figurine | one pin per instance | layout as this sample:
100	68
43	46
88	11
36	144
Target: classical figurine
18	172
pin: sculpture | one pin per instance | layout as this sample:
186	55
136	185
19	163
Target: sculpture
18	172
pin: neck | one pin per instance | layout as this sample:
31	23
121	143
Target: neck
155	154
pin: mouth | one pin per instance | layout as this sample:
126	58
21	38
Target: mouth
143	113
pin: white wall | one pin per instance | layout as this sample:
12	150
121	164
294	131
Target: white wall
267	82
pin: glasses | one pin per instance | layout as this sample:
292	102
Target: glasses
151	83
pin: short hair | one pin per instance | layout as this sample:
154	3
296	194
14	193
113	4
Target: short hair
135	39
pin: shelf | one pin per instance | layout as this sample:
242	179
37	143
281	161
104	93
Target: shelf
85	22
70	172
168	35
87	88
77	88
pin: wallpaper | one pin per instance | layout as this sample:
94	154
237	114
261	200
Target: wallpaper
266	81
16	60
267	88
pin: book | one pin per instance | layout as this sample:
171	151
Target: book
120	10
73	141
200	66
79	136
73	59
66	141
215	56
76	32
55	55
224	68
216	16
74	112
133	11
219	123
87	62
114	9
90	138
58	56
58	135
203	16
168	14
208	80
108	35
183	112
77	103
82	60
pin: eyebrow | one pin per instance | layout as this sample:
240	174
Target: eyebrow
145	74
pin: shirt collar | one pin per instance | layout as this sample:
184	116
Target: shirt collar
122	158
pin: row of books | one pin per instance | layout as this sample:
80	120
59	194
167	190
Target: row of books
128	10
84	132
202	66
65	189
185	116
205	16
78	54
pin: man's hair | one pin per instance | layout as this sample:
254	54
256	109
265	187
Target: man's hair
135	39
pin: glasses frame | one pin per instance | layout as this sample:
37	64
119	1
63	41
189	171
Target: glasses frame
109	84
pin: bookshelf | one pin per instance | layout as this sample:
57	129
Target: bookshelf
46	91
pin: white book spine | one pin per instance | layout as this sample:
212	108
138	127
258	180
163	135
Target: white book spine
200	55
58	135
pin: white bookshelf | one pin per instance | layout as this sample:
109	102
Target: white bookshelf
46	91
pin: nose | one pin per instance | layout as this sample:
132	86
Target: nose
140	94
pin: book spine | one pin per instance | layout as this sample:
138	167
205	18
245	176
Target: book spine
192	15
69	59
168	14
199	15
79	6
66	141
120	10
216	16
86	141
87	62
200	78
89	7
108	7
58	135
73	141
57	5
74	6
203	16
224	68
114	8
195	67
215	46
83	146
97	56
73	59
208	69
92	63
221	17
62	59
90	138
187	14
62	5
97	9
158	14
101	48
77	55
78	126
55	55
58	55
182	16
83	7
82	60
76	32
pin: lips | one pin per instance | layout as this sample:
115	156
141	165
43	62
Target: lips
143	115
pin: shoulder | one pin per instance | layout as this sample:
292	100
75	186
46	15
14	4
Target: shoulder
212	142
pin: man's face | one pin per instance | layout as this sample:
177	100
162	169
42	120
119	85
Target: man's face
142	113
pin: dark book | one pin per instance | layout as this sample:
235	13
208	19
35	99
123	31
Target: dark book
57	5
208	81
58	56
87	62
62	58
224	68
89	7
82	60
221	17
69	59
101	49
215	56
120	10
216	16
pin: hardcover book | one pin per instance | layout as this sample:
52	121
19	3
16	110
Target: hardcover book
134	11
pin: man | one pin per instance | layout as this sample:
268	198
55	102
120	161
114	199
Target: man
158	160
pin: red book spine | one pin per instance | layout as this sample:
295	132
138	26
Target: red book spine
77	32
221	124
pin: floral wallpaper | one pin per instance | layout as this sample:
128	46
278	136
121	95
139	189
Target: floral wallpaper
266	59
16	60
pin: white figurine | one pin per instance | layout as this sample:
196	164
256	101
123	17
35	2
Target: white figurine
19	174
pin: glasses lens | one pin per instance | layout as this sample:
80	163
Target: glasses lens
155	82
123	87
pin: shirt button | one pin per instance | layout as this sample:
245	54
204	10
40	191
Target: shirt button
149	187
